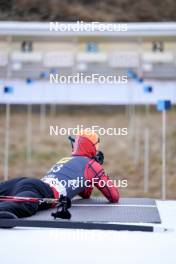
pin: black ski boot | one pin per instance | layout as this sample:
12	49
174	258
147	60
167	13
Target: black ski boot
7	215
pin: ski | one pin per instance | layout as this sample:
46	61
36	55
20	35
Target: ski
8	223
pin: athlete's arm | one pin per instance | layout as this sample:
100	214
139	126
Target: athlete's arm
106	186
96	172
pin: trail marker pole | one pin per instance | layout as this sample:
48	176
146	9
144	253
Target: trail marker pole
147	90
133	125
139	80
29	81
163	106
7	142
7	90
29	139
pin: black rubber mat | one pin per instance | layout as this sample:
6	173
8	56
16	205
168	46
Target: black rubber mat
129	210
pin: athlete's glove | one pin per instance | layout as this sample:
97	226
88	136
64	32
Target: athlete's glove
99	157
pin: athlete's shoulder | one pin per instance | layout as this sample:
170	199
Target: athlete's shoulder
77	157
64	160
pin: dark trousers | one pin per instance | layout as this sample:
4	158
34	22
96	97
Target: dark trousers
25	187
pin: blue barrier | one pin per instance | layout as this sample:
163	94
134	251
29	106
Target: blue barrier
44	75
29	80
134	76
8	89
131	74
148	89
163	105
139	79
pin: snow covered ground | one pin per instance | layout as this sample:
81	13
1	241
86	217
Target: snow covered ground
34	246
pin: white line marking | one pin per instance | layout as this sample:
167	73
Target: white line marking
113	205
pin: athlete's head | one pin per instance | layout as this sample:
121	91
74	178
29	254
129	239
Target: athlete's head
86	143
90	135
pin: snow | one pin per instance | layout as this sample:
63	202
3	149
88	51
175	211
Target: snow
34	246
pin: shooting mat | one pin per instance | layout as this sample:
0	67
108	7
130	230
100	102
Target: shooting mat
128	210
